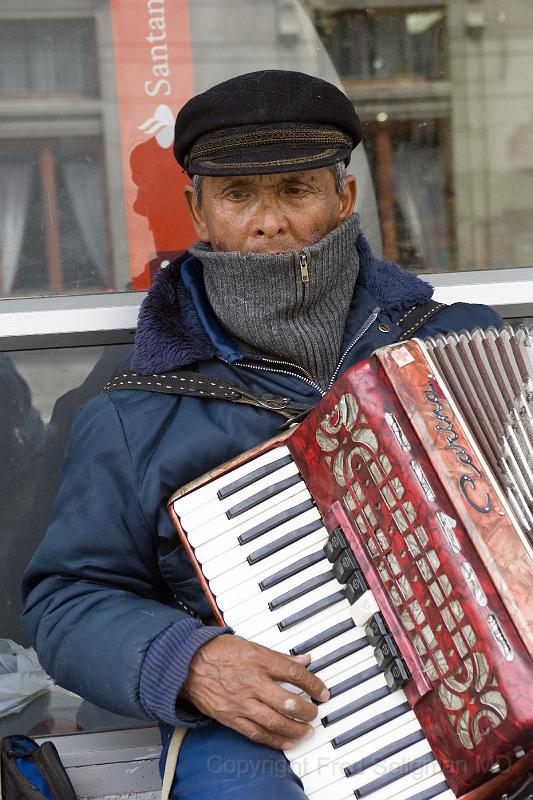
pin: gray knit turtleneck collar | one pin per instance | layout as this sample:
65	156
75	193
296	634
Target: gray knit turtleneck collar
264	300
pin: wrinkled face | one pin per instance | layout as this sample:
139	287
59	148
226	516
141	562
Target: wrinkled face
270	213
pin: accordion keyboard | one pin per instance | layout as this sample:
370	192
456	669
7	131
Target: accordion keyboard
277	580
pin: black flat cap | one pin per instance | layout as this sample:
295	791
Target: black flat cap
266	122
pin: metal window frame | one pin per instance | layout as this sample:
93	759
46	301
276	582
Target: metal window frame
42	322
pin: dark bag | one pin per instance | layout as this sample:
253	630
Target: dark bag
32	772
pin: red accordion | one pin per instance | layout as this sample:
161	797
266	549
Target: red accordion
440	546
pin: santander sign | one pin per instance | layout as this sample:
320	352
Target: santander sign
153	68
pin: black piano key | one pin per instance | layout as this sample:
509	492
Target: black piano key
310	611
397	674
299	591
340	652
375	628
393	775
344	565
355	706
355	587
252	477
273	522
432	791
283	541
287	572
386	651
260	497
322	637
389	750
370	725
354	680
335	544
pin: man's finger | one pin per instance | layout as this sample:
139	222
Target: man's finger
260	735
276	723
287	670
291	705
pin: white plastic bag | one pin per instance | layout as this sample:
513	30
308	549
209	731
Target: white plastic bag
22	678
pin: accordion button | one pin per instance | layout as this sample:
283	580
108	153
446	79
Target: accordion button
375	629
386	651
396	675
335	545
344	565
355	587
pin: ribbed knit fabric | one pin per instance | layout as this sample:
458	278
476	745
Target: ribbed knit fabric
262	300
164	670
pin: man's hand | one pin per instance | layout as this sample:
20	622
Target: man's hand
237	683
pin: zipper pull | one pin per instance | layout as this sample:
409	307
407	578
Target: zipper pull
304	268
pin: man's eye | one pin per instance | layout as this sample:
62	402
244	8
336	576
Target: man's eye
296	191
236	194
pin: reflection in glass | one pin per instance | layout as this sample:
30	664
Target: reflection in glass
384	43
52	219
40	393
47	55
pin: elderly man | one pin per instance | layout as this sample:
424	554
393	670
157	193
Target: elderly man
279	295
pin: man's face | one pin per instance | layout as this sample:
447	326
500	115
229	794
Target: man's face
270	213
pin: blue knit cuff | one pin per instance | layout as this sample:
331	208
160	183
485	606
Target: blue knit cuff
164	670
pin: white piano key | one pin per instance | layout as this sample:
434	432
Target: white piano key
330	768
379	770
208	511
411	785
284	640
259	604
336	672
198	535
250	628
343	699
363	608
330	763
229	541
195	499
248	576
227	573
322	650
240	591
404	788
323	735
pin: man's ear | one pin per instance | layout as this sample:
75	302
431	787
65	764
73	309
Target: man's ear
347	198
196	215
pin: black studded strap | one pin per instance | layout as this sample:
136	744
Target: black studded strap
417	316
195	384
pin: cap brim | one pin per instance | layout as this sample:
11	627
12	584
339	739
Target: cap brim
264	160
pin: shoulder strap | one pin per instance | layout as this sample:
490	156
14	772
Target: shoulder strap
196	385
413	319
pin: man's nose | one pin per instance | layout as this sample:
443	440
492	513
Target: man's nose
270	219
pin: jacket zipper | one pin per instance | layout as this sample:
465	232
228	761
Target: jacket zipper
360	333
303	263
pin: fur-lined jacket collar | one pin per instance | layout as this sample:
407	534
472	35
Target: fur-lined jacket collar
171	335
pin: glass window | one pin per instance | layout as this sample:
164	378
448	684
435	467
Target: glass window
47	55
54	205
40	391
89	92
385	43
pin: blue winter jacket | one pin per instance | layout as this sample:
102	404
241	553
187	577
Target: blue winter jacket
103	591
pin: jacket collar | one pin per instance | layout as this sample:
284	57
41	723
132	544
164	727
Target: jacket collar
177	327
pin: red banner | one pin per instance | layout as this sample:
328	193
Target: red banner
153	66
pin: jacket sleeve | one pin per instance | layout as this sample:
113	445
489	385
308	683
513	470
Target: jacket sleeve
93	591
